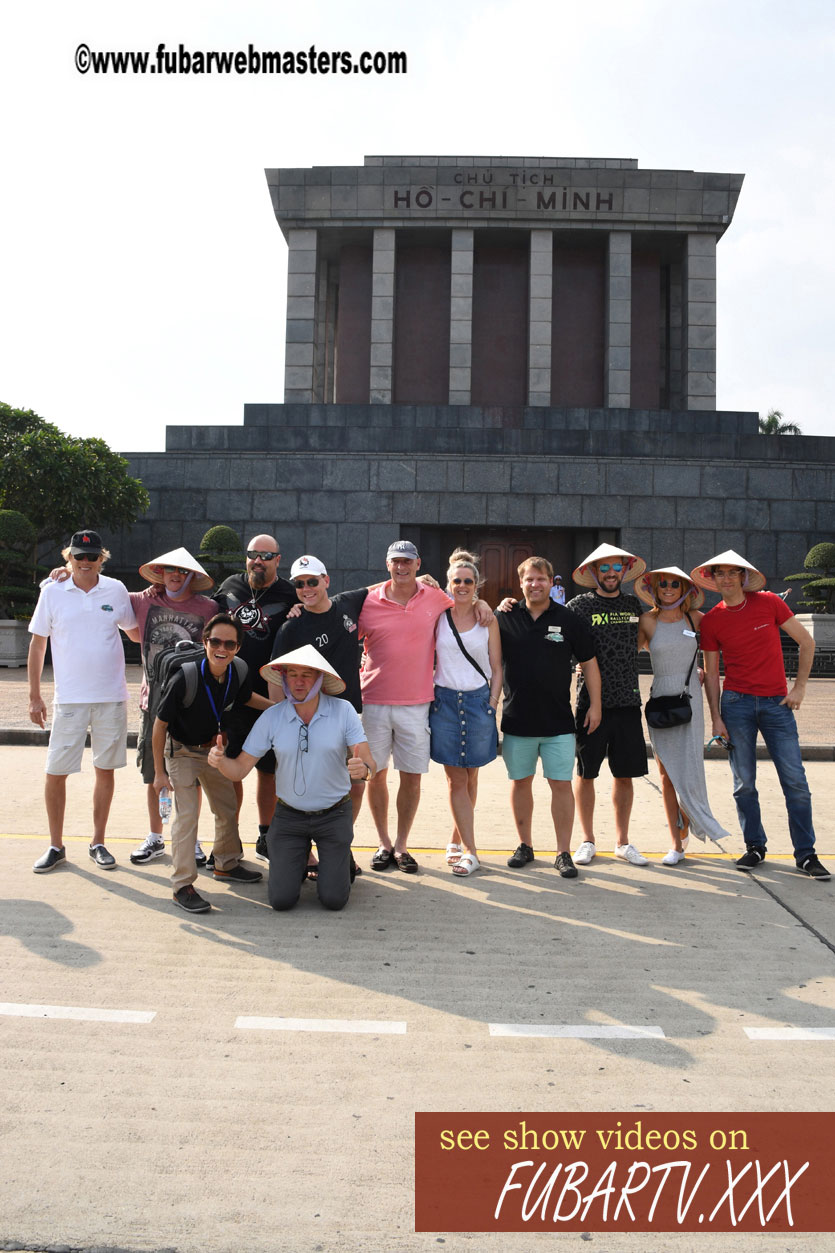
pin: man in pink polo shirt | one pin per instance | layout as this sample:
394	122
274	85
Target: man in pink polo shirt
398	622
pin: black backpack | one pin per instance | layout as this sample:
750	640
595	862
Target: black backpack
187	656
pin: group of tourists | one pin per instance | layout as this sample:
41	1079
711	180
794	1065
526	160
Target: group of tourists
323	694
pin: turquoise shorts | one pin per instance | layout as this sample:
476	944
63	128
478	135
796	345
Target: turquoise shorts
556	751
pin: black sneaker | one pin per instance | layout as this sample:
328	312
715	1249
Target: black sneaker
751	858
566	866
51	858
103	859
521	857
261	848
210	862
189	898
813	867
238	874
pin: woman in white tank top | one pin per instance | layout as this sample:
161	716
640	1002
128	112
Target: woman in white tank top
462	717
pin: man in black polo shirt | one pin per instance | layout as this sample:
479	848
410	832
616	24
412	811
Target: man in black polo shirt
194	709
259	600
539	640
329	623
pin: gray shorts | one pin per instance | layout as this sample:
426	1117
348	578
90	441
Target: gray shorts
108	725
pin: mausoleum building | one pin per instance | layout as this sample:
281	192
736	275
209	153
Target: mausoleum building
513	353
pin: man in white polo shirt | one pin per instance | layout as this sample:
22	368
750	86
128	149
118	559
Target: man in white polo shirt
81	617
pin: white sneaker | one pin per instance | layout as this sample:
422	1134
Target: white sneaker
672	858
585	853
628	852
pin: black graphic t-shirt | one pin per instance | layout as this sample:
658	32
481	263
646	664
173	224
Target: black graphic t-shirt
260	614
613	622
334	633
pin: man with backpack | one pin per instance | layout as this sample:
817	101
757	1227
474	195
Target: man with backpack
198	698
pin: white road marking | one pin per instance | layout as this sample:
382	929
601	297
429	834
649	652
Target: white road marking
356	1026
579	1031
13	1010
790	1033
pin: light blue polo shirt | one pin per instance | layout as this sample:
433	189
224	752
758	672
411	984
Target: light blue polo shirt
316	778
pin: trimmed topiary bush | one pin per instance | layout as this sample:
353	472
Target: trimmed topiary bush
221	552
818	579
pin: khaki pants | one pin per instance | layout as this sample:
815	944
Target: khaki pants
186	766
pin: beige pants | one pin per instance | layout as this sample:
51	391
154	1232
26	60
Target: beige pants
186	766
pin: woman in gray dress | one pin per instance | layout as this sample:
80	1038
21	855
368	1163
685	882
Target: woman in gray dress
670	632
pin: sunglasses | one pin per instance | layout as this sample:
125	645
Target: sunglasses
720	740
216	642
86	556
467	581
175	570
305	582
265	555
605	566
673	583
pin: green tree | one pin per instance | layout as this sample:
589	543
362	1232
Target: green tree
18	592
818	579
773	424
62	483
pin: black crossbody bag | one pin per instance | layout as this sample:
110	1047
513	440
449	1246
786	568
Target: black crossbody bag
672	711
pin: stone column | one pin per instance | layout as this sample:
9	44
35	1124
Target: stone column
540	307
382	316
698	365
617	364
461	318
300	335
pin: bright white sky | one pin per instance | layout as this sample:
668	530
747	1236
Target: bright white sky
142	273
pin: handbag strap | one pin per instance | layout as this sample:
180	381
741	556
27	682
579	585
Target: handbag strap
695	655
460	644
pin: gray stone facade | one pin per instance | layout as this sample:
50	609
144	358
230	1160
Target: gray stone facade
611	273
342	481
677	214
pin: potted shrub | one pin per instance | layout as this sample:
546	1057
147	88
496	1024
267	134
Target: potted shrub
818	592
18	592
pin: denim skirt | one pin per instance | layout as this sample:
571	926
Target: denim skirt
462	728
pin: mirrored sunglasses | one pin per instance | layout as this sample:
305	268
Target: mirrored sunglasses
604	566
264	554
175	570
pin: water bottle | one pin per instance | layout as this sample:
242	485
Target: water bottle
164	804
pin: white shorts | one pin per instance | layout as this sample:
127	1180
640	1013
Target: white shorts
108	724
400	732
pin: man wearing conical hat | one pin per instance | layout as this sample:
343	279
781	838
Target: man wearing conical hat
171	609
612	617
320	747
745	627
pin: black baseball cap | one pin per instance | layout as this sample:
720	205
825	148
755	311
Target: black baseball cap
85	542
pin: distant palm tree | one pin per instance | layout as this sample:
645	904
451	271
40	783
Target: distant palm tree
774	424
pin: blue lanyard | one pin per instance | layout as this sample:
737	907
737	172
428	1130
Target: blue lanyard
209	692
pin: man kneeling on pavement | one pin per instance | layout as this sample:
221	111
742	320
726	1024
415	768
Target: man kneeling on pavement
191	716
320	748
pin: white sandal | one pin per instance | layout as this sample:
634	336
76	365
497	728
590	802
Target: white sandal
468	863
453	854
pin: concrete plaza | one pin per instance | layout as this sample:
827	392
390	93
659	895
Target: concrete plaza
173	1123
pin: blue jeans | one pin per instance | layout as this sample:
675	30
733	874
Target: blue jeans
744	716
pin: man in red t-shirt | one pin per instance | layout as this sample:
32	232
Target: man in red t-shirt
745	627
